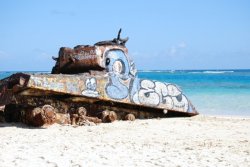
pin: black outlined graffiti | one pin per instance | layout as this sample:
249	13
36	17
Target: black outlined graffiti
156	93
123	83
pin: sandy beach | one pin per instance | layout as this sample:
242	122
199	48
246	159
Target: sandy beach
196	141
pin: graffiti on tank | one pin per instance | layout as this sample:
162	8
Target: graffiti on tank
132	71
146	94
118	68
154	93
90	88
123	83
47	83
116	89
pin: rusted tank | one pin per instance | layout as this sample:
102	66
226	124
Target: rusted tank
96	83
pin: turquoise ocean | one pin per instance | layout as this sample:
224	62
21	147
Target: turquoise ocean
212	92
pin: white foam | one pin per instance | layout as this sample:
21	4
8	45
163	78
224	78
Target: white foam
217	72
158	71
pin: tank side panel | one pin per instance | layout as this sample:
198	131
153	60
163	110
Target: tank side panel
160	95
142	92
79	85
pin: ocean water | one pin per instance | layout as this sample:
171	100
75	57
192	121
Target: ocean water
212	92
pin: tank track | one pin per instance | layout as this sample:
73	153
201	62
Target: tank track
47	110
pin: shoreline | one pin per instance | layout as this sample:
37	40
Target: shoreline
190	141
227	116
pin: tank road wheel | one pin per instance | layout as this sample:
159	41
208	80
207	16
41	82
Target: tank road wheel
108	116
78	116
48	114
40	116
130	117
33	117
112	116
81	111
104	115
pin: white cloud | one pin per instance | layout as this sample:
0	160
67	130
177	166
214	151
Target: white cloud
182	45
176	49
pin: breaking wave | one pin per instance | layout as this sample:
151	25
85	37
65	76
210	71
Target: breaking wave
158	71
210	72
217	72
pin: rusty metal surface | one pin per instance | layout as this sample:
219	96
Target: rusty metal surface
9	86
82	58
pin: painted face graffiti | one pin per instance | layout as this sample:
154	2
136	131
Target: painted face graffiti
90	85
117	62
118	68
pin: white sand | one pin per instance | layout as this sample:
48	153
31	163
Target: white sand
197	141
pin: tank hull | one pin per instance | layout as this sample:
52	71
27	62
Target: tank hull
96	92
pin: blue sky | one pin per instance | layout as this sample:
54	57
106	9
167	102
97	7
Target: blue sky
192	34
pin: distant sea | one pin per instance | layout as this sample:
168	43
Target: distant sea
212	92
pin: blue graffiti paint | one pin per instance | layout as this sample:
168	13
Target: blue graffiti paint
124	83
115	89
118	68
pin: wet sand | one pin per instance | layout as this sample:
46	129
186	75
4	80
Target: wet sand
196	141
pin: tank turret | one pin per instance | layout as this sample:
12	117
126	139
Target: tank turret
85	58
